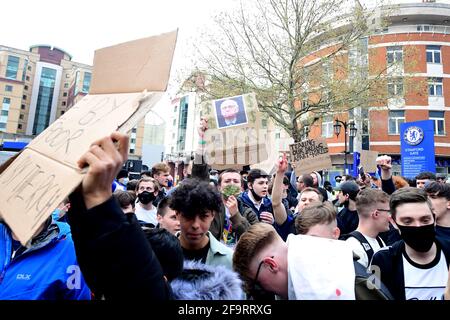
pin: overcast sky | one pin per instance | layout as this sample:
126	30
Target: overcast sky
80	27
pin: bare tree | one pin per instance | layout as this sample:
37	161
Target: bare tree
303	59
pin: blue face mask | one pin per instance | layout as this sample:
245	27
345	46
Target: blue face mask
170	183
57	214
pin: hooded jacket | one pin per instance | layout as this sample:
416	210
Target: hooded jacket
48	270
202	282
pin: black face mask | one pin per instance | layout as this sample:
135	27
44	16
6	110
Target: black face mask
146	197
255	196
419	238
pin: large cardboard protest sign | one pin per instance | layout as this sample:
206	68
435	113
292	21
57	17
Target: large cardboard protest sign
310	155
46	171
369	160
235	135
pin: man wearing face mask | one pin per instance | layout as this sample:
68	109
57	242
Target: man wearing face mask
146	190
416	267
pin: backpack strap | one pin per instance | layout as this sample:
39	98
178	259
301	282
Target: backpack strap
364	243
380	242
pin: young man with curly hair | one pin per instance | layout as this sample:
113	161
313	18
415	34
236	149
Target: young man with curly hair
196	203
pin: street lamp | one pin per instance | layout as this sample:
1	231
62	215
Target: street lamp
351	132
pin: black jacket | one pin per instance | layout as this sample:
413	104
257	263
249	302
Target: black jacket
390	263
114	256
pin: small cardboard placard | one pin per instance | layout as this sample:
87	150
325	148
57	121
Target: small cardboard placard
38	180
368	160
310	155
235	135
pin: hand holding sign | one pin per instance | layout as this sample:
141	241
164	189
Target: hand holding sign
104	161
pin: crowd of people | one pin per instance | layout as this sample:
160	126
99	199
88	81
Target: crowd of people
234	235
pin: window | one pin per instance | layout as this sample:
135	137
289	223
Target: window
22	107
327	127
2	125
67	75
29	68
131	151
264	123
365	128
305	104
396	118
394	54
435	87
86	82
8	88
12	67
63	103
133	130
24	97
132	140
433	54
439	122
174	121
4	113
423	28
175	109
65	94
25	87
24	71
6	103
66	85
277	135
21	116
19	126
395	87
27	78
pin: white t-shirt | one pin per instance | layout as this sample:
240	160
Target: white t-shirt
357	248
148	216
425	282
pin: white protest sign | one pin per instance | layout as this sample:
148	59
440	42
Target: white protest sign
310	155
46	171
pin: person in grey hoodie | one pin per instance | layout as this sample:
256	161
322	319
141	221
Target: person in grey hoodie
317	179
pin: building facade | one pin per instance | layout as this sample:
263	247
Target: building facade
417	41
40	85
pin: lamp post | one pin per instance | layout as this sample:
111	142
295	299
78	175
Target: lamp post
351	132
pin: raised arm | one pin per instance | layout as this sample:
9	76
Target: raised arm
279	210
116	259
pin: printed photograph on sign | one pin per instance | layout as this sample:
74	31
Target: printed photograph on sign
230	112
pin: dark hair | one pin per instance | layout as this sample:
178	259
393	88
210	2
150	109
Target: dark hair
125	198
408	195
219	181
194	197
426	175
122	174
168	250
441	190
307	180
132	184
146	173
256	174
349	177
162	206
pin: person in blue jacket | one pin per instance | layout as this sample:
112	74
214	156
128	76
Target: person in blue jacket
47	270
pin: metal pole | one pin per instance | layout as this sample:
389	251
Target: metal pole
345	150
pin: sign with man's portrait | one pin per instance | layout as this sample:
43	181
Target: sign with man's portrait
230	112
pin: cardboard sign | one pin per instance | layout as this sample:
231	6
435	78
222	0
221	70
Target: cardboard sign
38	180
310	155
143	64
368	160
235	136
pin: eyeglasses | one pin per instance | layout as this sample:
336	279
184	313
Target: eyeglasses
255	280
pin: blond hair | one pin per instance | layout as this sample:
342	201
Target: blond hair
314	214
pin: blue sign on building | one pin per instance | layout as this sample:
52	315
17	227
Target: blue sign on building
417	147
356	163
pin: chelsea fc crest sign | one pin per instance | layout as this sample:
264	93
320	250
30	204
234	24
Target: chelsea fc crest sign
413	135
